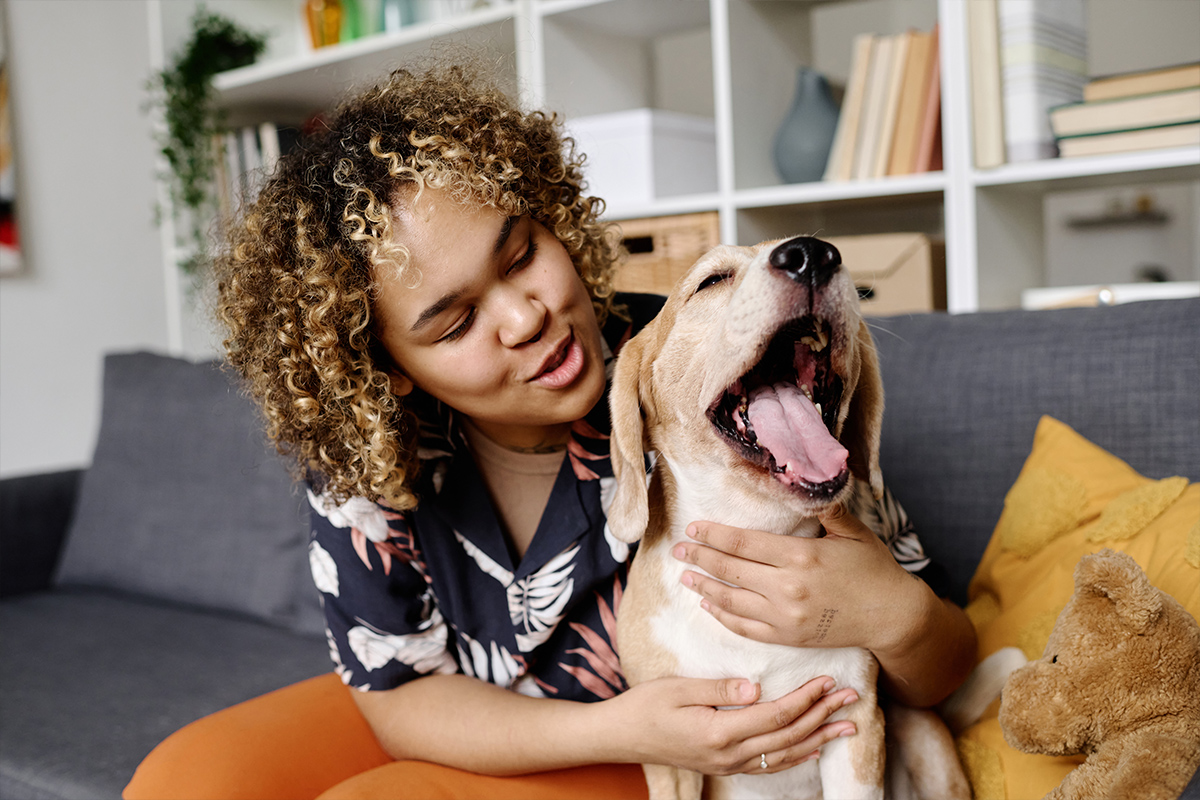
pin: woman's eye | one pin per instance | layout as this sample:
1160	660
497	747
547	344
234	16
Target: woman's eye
713	280
526	257
462	328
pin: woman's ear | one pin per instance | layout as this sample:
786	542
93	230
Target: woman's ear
402	386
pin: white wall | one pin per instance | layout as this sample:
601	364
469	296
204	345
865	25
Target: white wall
93	281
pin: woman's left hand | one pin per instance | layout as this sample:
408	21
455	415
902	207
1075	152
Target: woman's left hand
841	590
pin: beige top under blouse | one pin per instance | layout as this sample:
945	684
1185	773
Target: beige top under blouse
519	483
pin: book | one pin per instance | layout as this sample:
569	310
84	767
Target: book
845	138
1127	113
929	145
268	138
1187	134
914	97
1043	64
891	104
1129	84
871	124
987	112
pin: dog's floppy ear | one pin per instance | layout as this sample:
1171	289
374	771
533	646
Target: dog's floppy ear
629	513
864	421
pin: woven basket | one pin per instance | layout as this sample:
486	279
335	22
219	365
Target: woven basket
661	249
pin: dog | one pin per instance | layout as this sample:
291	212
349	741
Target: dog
757	387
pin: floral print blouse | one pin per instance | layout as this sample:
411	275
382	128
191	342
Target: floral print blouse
437	589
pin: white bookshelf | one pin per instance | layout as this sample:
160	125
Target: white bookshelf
735	61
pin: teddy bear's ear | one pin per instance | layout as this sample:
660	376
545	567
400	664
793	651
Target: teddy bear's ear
1119	578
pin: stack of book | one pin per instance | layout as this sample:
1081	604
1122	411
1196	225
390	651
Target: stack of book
1133	111
1026	57
244	158
890	123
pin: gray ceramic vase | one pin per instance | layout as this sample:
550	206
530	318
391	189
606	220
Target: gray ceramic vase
804	139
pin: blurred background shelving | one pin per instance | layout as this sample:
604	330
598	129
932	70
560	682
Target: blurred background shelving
735	62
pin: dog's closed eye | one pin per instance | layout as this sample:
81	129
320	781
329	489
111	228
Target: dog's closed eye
713	280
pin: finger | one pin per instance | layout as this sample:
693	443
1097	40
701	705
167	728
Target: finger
803	738
838	521
739	542
723	566
724	692
754	722
742	611
807	750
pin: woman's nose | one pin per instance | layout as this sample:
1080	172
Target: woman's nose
524	319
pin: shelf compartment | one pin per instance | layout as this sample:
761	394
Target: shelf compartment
917	212
631	18
769	41
318	79
620	55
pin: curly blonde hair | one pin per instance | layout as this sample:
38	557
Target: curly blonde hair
295	282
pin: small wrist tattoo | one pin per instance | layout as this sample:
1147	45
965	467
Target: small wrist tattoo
825	623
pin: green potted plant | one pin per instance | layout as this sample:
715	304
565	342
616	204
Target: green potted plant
184	93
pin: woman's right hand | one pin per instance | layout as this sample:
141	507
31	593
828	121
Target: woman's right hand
680	722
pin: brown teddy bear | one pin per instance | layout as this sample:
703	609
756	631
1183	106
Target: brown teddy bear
1119	681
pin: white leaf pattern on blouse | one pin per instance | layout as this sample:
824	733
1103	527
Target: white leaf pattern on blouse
495	664
536	603
324	568
618	549
357	512
485	561
425	651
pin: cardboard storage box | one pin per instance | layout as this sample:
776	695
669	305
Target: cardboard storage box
663	248
644	154
896	273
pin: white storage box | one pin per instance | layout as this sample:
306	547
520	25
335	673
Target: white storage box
645	154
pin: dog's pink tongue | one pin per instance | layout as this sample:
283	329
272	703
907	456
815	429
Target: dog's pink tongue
788	425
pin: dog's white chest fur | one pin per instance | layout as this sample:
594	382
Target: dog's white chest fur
707	649
704	648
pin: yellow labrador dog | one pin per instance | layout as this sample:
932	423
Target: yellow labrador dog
758	388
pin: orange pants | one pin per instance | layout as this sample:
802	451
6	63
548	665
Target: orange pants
309	740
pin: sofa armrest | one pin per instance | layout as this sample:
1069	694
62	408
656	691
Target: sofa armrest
35	513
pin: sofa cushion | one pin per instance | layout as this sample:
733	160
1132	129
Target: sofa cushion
184	499
964	394
1071	498
93	681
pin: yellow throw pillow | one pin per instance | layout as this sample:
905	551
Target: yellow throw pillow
1071	498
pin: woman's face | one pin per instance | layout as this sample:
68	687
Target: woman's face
499	327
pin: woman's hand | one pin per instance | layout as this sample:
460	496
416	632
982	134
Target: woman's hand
841	590
679	722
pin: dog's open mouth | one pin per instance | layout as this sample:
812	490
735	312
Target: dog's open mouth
780	415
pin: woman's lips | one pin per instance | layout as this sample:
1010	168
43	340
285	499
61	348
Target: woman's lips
563	367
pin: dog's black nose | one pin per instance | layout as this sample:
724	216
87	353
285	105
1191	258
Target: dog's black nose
807	260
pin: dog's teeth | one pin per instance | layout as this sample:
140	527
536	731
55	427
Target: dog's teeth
818	340
820	413
807	392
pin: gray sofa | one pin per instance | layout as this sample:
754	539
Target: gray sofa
169	580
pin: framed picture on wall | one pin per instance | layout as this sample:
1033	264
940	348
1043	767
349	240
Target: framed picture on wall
10	245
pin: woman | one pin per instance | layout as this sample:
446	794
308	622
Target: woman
421	301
